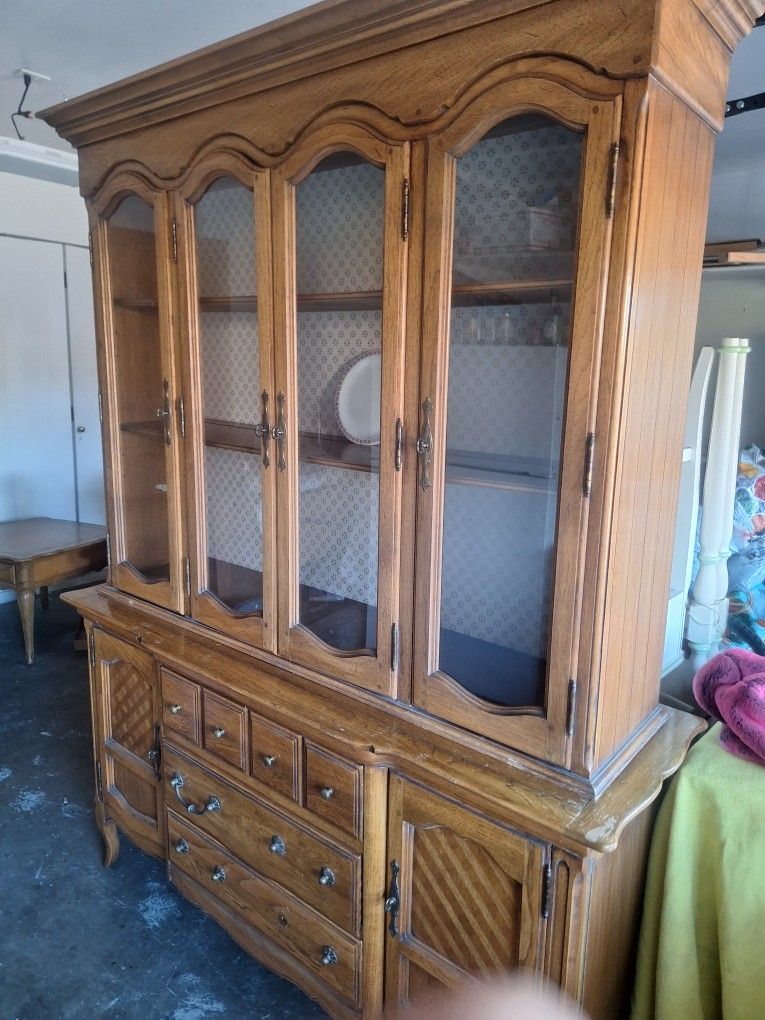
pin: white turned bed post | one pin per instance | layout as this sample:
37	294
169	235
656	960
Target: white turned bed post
708	601
730	488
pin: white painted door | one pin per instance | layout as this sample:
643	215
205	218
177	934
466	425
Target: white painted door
36	449
89	465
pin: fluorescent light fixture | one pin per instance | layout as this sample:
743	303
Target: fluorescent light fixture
31	160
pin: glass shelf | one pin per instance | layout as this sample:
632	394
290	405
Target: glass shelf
512	292
462	468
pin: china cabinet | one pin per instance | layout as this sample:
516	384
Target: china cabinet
395	312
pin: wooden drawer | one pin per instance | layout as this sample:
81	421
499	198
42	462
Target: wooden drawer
181	706
225	729
325	949
315	870
333	789
275	757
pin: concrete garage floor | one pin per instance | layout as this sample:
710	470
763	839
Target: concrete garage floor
77	940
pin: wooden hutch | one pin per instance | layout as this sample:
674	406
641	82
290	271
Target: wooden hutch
389	709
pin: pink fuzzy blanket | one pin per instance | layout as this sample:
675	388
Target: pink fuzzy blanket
731	688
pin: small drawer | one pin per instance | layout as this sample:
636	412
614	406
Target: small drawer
303	861
333	789
275	757
181	706
328	952
225	729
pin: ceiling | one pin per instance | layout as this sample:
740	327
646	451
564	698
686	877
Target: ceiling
83	46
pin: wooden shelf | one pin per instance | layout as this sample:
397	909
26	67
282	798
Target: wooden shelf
152	428
463	467
734	253
137	304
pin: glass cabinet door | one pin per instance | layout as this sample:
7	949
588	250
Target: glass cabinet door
227	237
337	409
145	521
499	519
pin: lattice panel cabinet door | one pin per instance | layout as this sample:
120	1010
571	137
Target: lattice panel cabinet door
126	722
465	896
516	265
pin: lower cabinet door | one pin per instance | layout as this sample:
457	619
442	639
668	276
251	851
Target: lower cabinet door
126	707
464	898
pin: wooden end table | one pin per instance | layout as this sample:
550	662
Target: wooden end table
37	552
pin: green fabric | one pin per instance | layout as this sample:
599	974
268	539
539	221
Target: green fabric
702	944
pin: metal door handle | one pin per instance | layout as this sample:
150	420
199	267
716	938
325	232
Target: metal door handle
393	900
279	432
263	431
424	445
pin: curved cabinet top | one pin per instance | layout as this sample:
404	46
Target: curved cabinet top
263	86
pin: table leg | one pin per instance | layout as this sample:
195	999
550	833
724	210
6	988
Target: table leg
44	598
25	595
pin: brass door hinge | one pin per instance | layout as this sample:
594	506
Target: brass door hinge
394	643
613	169
589	459
99	783
181	416
154	755
398	455
405	210
174	238
187	576
108	548
570	707
90	248
91	647
547	890
100	408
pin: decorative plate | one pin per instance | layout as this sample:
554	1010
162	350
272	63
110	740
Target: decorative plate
358	401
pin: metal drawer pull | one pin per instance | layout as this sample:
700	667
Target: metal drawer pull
327	792
181	847
277	846
328	956
326	876
219	732
218	874
393	901
269	760
211	804
176	709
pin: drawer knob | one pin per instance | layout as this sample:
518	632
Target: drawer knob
219	732
269	760
326	876
283	920
327	792
218	874
277	846
176	709
211	804
181	847
328	956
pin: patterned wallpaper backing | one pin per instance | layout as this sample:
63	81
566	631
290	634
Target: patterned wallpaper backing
506	388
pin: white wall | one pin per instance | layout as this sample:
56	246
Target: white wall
43	231
42	209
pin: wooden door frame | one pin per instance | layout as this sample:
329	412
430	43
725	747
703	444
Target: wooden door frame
204	605
120	185
297	643
560	95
